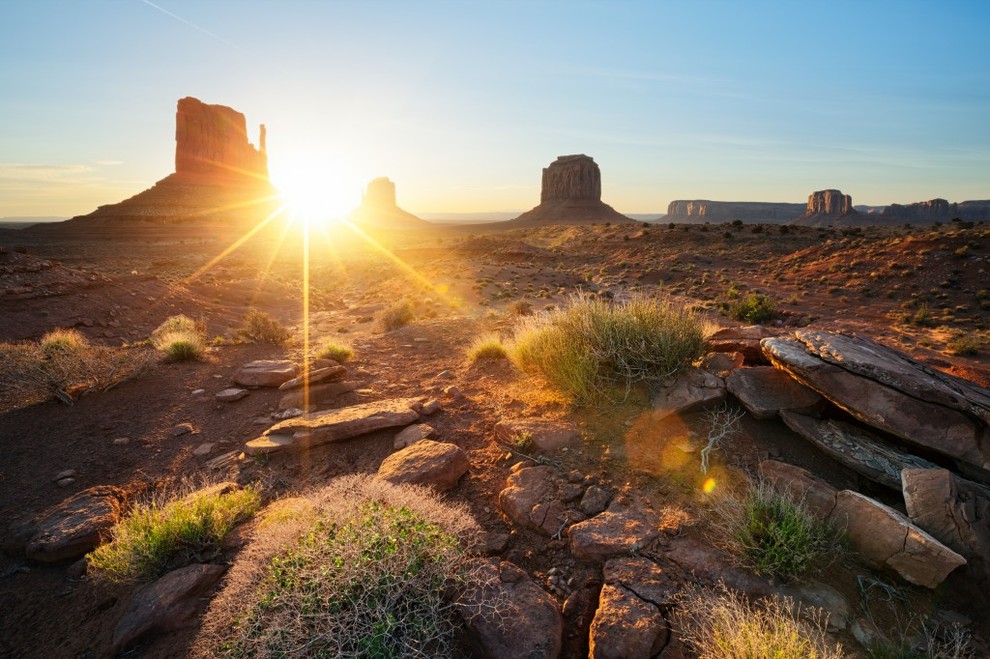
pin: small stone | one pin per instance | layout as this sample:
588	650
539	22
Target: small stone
121	441
452	392
595	500
64	474
65	482
290	413
430	407
203	449
231	394
183	429
413	434
198	392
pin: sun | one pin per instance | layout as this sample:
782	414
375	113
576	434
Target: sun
316	195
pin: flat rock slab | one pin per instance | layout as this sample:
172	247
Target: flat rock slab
627	525
536	625
952	509
861	451
547	436
692	389
413	434
711	566
893	393
765	391
265	373
167	605
801	485
531	500
887	538
231	395
326	374
438	464
625	626
319	428
318	394
75	526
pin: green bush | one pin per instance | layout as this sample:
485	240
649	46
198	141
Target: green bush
180	338
722	624
261	327
364	572
591	345
163	534
771	533
487	346
396	316
331	350
754	308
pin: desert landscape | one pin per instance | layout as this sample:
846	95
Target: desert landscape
236	423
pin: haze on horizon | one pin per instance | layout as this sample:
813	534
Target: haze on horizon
462	104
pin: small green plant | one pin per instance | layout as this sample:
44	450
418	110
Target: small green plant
261	327
62	342
165	533
754	308
723	624
396	316
180	338
487	346
771	533
336	351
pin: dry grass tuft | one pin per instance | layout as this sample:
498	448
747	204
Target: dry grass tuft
338	352
261	327
398	315
180	338
487	346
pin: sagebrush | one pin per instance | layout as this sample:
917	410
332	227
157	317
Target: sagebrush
261	327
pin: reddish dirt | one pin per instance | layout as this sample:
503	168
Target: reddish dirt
462	282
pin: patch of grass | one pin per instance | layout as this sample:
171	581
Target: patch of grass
964	345
753	308
722	624
62	342
396	316
592	345
180	338
361	573
338	352
487	346
163	534
770	533
261	327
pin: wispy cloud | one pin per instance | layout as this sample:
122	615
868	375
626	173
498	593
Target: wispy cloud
108	163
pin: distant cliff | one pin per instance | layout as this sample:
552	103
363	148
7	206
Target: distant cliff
703	210
937	210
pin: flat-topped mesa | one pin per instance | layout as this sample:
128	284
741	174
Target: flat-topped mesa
703	210
571	177
826	207
379	209
211	142
380	193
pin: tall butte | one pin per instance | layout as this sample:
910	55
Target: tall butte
379	210
828	207
220	177
571	194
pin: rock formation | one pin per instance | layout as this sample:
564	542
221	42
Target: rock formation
571	194
825	207
378	208
220	177
703	210
936	210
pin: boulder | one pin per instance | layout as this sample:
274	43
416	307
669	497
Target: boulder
413	434
765	391
318	394
744	340
887	538
326	374
509	616
711	566
627	525
890	391
643	578
547	436
594	500
265	373
803	486
722	363
167	605
861	451
953	510
530	500
625	626
75	526
426	462
318	428
693	389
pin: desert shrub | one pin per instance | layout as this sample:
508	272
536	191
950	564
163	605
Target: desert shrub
754	308
361	572
592	345
770	533
61	342
165	533
487	346
180	338
396	316
338	352
521	308
722	624
260	327
964	345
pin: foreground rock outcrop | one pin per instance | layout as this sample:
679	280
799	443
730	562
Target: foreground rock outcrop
571	194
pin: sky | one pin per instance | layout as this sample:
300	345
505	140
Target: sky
463	103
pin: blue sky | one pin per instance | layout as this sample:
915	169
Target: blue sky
463	103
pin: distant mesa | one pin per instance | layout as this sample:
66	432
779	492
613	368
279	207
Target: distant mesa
828	207
936	210
698	211
378	208
571	194
220	177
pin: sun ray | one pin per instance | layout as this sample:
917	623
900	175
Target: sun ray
234	246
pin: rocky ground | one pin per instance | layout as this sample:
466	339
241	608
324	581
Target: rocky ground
628	466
